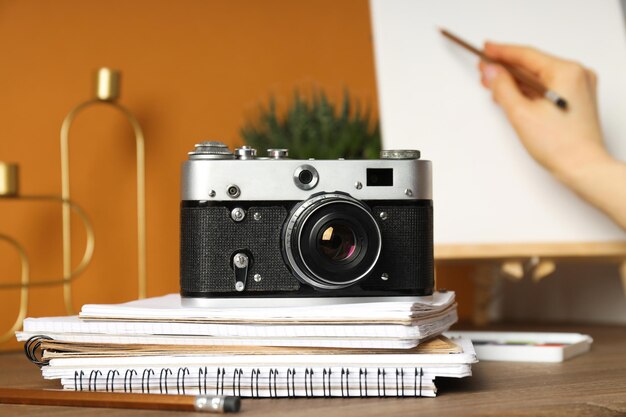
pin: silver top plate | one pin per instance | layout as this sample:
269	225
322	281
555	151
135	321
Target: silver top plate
273	180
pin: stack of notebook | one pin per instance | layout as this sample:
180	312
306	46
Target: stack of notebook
359	347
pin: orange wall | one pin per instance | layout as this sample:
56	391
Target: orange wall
192	70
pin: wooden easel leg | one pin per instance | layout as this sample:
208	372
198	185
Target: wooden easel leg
485	279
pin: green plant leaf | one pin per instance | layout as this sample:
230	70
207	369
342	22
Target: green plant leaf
315	128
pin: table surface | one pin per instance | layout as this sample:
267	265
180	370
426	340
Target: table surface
593	384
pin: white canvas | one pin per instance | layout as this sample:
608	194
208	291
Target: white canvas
486	188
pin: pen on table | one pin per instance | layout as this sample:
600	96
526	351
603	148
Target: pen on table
519	75
204	403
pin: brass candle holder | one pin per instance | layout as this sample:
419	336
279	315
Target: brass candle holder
9	190
107	91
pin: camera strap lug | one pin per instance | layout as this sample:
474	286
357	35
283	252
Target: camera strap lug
241	264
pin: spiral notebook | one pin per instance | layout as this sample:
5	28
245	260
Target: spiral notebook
275	372
331	347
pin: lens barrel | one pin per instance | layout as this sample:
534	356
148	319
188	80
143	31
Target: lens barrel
331	241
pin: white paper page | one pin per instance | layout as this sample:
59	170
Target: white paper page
169	307
72	324
354	336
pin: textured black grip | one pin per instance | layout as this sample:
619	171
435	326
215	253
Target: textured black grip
209	238
407	252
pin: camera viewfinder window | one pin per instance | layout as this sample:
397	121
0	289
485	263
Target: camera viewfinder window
379	177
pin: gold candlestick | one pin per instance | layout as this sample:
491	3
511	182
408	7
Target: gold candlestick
9	190
107	91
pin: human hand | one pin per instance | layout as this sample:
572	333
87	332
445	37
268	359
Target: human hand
565	142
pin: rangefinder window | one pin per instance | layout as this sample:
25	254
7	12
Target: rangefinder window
379	177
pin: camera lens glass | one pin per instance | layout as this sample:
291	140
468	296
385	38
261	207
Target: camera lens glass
331	241
337	242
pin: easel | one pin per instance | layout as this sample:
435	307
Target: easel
519	261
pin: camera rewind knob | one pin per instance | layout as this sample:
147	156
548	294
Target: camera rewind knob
211	150
277	153
399	154
245	152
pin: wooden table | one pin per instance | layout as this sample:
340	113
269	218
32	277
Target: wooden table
590	385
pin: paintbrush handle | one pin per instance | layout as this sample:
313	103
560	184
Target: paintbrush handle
518	74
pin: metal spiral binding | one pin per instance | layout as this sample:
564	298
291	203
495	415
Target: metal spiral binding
145	385
93	374
179	384
80	378
345	373
202	375
362	375
308	373
270	382
237	376
273	374
421	374
221	372
255	374
384	374
111	374
252	375
128	379
31	348
399	373
239	381
291	373
164	372
324	373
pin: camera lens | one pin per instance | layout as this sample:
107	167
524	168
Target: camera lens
331	241
337	242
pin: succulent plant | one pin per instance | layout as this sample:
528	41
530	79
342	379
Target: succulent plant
315	128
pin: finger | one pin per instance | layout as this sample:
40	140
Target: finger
593	78
543	65
483	80
505	91
528	92
525	90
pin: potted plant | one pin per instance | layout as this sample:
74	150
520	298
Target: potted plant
316	128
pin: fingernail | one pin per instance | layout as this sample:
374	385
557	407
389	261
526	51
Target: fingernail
490	72
489	47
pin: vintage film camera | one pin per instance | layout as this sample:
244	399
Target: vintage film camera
278	227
